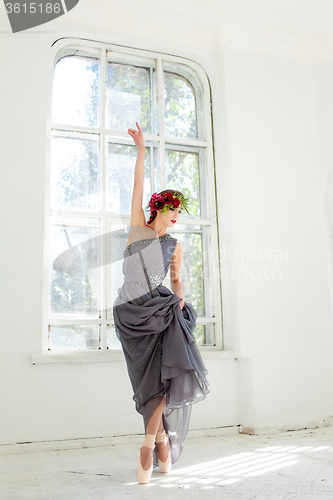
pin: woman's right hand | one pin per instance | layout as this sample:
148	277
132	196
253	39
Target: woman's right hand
137	136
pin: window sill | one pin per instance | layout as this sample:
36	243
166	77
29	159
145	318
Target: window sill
215	354
110	356
78	357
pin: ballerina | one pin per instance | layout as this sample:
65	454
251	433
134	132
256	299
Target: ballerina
155	326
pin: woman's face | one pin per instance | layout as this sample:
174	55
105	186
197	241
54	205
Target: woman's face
172	216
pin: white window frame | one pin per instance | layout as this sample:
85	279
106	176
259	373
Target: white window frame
59	49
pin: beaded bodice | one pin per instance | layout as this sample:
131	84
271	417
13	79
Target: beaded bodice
149	240
147	260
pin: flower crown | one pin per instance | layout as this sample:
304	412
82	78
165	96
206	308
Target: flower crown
167	200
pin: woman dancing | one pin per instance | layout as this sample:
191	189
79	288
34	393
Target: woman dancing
155	326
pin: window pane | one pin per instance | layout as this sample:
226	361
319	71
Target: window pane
120	166
75	174
129	99
191	268
112	339
74	276
155	129
75	97
182	173
85	337
205	334
116	245
179	107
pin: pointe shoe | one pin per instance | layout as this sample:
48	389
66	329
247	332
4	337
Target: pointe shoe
161	436
142	474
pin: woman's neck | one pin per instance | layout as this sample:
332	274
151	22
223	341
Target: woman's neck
158	232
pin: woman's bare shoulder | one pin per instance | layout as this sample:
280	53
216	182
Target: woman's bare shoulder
140	232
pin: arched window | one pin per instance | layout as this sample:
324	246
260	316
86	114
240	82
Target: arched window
99	91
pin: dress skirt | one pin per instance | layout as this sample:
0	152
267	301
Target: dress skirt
160	349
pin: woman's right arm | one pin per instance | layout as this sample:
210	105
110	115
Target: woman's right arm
137	213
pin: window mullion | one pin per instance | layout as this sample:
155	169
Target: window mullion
160	100
75	128
152	169
151	101
103	281
152	130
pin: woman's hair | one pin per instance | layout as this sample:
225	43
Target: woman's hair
172	191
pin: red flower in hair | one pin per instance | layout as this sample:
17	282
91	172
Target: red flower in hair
158	204
167	197
166	201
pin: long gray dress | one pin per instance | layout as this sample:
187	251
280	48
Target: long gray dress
157	339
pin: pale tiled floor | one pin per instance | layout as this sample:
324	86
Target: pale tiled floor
293	464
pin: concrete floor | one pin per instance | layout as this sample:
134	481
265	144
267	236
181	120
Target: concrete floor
284	465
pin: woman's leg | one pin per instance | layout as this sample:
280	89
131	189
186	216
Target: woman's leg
153	425
161	426
154	421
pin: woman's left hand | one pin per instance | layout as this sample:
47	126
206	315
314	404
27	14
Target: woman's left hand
182	303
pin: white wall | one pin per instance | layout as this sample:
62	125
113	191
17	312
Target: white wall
276	202
272	109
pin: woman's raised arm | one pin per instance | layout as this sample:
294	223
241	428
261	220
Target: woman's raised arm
137	213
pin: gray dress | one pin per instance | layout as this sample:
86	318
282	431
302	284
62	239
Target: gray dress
157	339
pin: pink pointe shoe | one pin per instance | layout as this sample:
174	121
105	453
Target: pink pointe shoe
162	437
145	475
